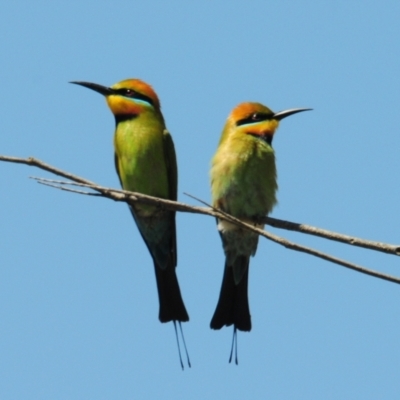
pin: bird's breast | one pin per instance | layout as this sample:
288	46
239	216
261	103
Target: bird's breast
140	158
243	178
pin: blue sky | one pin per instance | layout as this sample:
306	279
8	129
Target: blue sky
77	291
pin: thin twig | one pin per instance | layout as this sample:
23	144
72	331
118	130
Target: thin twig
312	230
134	197
42	165
66	189
294	246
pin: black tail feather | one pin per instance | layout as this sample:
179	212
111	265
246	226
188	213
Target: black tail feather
233	304
172	307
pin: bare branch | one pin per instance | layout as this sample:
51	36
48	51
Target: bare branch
312	230
115	195
131	197
276	223
34	162
294	246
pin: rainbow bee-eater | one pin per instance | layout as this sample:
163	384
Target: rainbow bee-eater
145	161
243	184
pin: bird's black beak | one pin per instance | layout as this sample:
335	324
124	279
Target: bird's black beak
105	91
283	114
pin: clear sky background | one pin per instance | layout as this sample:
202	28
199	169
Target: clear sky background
78	302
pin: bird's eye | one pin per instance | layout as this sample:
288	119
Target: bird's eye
254	118
131	93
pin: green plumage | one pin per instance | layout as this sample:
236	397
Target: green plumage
243	175
146	162
140	152
243	184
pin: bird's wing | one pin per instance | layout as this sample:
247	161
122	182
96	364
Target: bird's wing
172	171
117	168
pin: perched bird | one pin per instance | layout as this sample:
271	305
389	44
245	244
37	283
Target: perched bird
145	162
243	184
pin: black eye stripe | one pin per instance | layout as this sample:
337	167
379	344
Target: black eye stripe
255	117
134	95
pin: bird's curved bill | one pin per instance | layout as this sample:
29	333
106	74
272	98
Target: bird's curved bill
105	91
286	113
